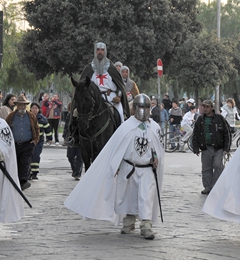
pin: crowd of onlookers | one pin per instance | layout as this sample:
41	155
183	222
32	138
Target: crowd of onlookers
174	114
31	123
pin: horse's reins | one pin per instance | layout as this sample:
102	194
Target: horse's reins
90	117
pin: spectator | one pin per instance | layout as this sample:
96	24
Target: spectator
164	117
230	113
74	150
11	203
8	106
212	135
182	105
40	99
45	105
54	107
155	111
190	102
25	131
167	102
44	128
175	118
24	94
187	126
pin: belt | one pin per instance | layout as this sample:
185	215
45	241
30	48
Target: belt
20	143
136	165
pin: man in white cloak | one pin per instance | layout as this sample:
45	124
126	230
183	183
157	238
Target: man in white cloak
121	182
11	202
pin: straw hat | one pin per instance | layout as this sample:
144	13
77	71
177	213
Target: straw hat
22	100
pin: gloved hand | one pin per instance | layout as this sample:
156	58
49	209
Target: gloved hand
154	163
116	100
75	113
1	156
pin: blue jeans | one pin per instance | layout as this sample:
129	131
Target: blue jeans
174	129
162	125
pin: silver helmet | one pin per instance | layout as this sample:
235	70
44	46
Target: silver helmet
142	104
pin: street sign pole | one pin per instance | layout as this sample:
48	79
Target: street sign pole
160	72
159	93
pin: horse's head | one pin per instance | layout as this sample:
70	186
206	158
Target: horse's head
87	97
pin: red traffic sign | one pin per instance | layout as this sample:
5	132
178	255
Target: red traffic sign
159	67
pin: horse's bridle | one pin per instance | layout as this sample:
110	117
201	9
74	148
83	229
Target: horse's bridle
89	116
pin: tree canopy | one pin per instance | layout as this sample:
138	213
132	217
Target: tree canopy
63	32
13	76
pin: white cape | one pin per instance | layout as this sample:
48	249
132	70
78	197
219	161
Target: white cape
223	201
94	196
11	203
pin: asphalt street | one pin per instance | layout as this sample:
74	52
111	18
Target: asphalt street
50	231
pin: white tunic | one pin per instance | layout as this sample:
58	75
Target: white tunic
223	201
11	203
100	193
105	83
141	186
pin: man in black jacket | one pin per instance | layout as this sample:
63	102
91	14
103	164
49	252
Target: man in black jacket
155	111
212	136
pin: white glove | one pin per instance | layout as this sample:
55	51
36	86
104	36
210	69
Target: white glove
1	156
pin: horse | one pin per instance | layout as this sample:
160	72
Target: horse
97	119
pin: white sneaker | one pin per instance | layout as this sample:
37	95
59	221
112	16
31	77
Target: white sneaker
57	143
181	143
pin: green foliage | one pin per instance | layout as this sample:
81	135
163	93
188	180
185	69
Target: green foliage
63	32
230	17
204	61
13	76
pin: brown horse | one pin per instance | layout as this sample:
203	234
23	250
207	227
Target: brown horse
96	121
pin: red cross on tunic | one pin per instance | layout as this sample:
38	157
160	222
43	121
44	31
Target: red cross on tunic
101	77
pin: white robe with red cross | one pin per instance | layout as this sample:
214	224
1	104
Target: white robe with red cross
105	83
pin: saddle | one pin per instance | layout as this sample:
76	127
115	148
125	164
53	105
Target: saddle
115	117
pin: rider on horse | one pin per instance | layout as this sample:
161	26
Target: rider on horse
106	76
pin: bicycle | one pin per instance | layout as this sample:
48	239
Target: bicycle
172	140
236	136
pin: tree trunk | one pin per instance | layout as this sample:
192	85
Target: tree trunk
196	96
236	94
175	89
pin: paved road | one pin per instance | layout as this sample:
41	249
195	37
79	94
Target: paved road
50	231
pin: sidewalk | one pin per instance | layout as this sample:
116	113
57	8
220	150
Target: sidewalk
52	232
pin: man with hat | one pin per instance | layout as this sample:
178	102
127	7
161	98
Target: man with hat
212	136
25	131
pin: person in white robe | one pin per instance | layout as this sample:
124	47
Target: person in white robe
223	200
11	202
105	193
